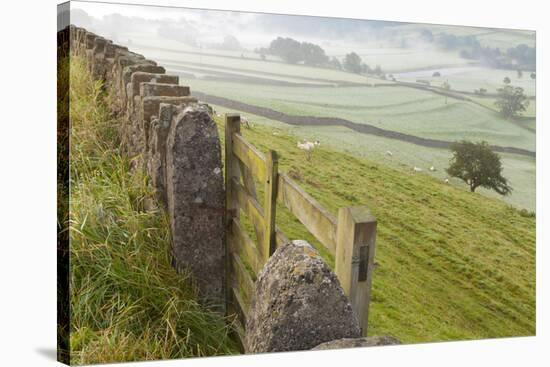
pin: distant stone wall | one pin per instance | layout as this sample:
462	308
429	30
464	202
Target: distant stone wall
174	139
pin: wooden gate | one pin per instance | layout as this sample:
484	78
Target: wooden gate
350	238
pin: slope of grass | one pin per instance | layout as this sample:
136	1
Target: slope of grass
451	264
127	303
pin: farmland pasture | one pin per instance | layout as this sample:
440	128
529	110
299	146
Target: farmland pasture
256	65
400	60
518	169
406	110
221	73
470	78
307	92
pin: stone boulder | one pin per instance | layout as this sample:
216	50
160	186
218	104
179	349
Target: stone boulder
372	341
297	303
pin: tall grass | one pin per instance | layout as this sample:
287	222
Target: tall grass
127	303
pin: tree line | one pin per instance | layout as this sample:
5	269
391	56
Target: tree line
521	55
307	53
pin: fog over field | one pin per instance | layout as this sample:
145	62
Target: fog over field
421	85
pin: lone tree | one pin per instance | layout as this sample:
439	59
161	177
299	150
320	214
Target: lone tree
477	165
511	101
520	73
506	80
352	63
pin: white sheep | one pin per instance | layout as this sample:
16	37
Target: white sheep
389	153
244	120
417	169
308	146
446	180
432	168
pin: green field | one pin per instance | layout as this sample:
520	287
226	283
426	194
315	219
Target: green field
401	109
412	59
250	64
449	264
468	79
518	169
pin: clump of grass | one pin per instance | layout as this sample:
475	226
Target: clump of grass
127	303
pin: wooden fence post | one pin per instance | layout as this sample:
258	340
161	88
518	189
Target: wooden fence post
270	204
355	242
232	125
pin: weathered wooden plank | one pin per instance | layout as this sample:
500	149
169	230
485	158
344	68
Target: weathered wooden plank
240	309
241	333
237	313
355	258
251	207
242	244
250	186
248	180
250	156
309	212
241	280
270	204
232	126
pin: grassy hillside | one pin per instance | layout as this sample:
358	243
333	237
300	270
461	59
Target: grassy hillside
127	303
407	110
520	170
451	264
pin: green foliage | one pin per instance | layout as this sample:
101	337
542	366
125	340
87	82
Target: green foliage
506	80
294	52
477	165
520	74
335	63
127	302
352	63
230	43
511	101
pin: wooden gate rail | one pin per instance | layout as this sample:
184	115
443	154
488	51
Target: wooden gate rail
350	237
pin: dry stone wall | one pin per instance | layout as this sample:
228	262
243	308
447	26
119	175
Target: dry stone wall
174	139
297	302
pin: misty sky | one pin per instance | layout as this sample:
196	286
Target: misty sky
337	36
252	30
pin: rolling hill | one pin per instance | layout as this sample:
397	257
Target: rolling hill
451	264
